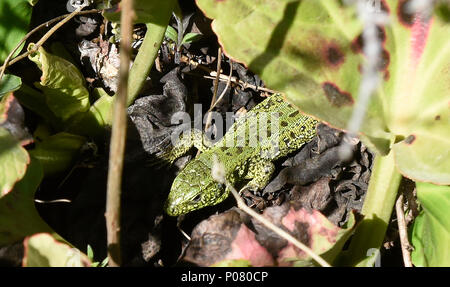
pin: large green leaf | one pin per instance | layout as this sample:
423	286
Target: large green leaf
13	162
18	215
431	229
62	83
311	50
15	18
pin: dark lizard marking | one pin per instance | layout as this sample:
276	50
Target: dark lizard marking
294	114
284	124
239	150
268	105
292	134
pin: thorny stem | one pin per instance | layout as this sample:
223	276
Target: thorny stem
65	18
118	136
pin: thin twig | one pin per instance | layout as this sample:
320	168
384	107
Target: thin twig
216	87
403	233
118	136
226	88
63	200
225	78
244	85
8	62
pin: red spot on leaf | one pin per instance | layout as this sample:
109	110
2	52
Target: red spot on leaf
333	55
410	139
384	7
335	96
404	16
387	75
384	63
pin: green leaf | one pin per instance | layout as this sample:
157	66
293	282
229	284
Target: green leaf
172	34
147	11
94	122
15	18
431	229
90	253
62	83
311	51
13	162
18	215
104	263
9	83
43	250
191	37
57	152
232	263
35	101
33	2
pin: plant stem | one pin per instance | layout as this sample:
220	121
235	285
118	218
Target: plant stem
378	205
118	136
146	56
403	231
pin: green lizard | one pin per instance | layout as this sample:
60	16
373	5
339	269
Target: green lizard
247	157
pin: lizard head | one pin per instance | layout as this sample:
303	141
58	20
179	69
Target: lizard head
192	189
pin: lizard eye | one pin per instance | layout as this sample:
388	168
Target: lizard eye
197	198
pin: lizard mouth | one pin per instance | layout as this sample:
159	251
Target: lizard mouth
174	209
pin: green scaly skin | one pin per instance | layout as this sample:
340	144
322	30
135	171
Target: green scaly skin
248	159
